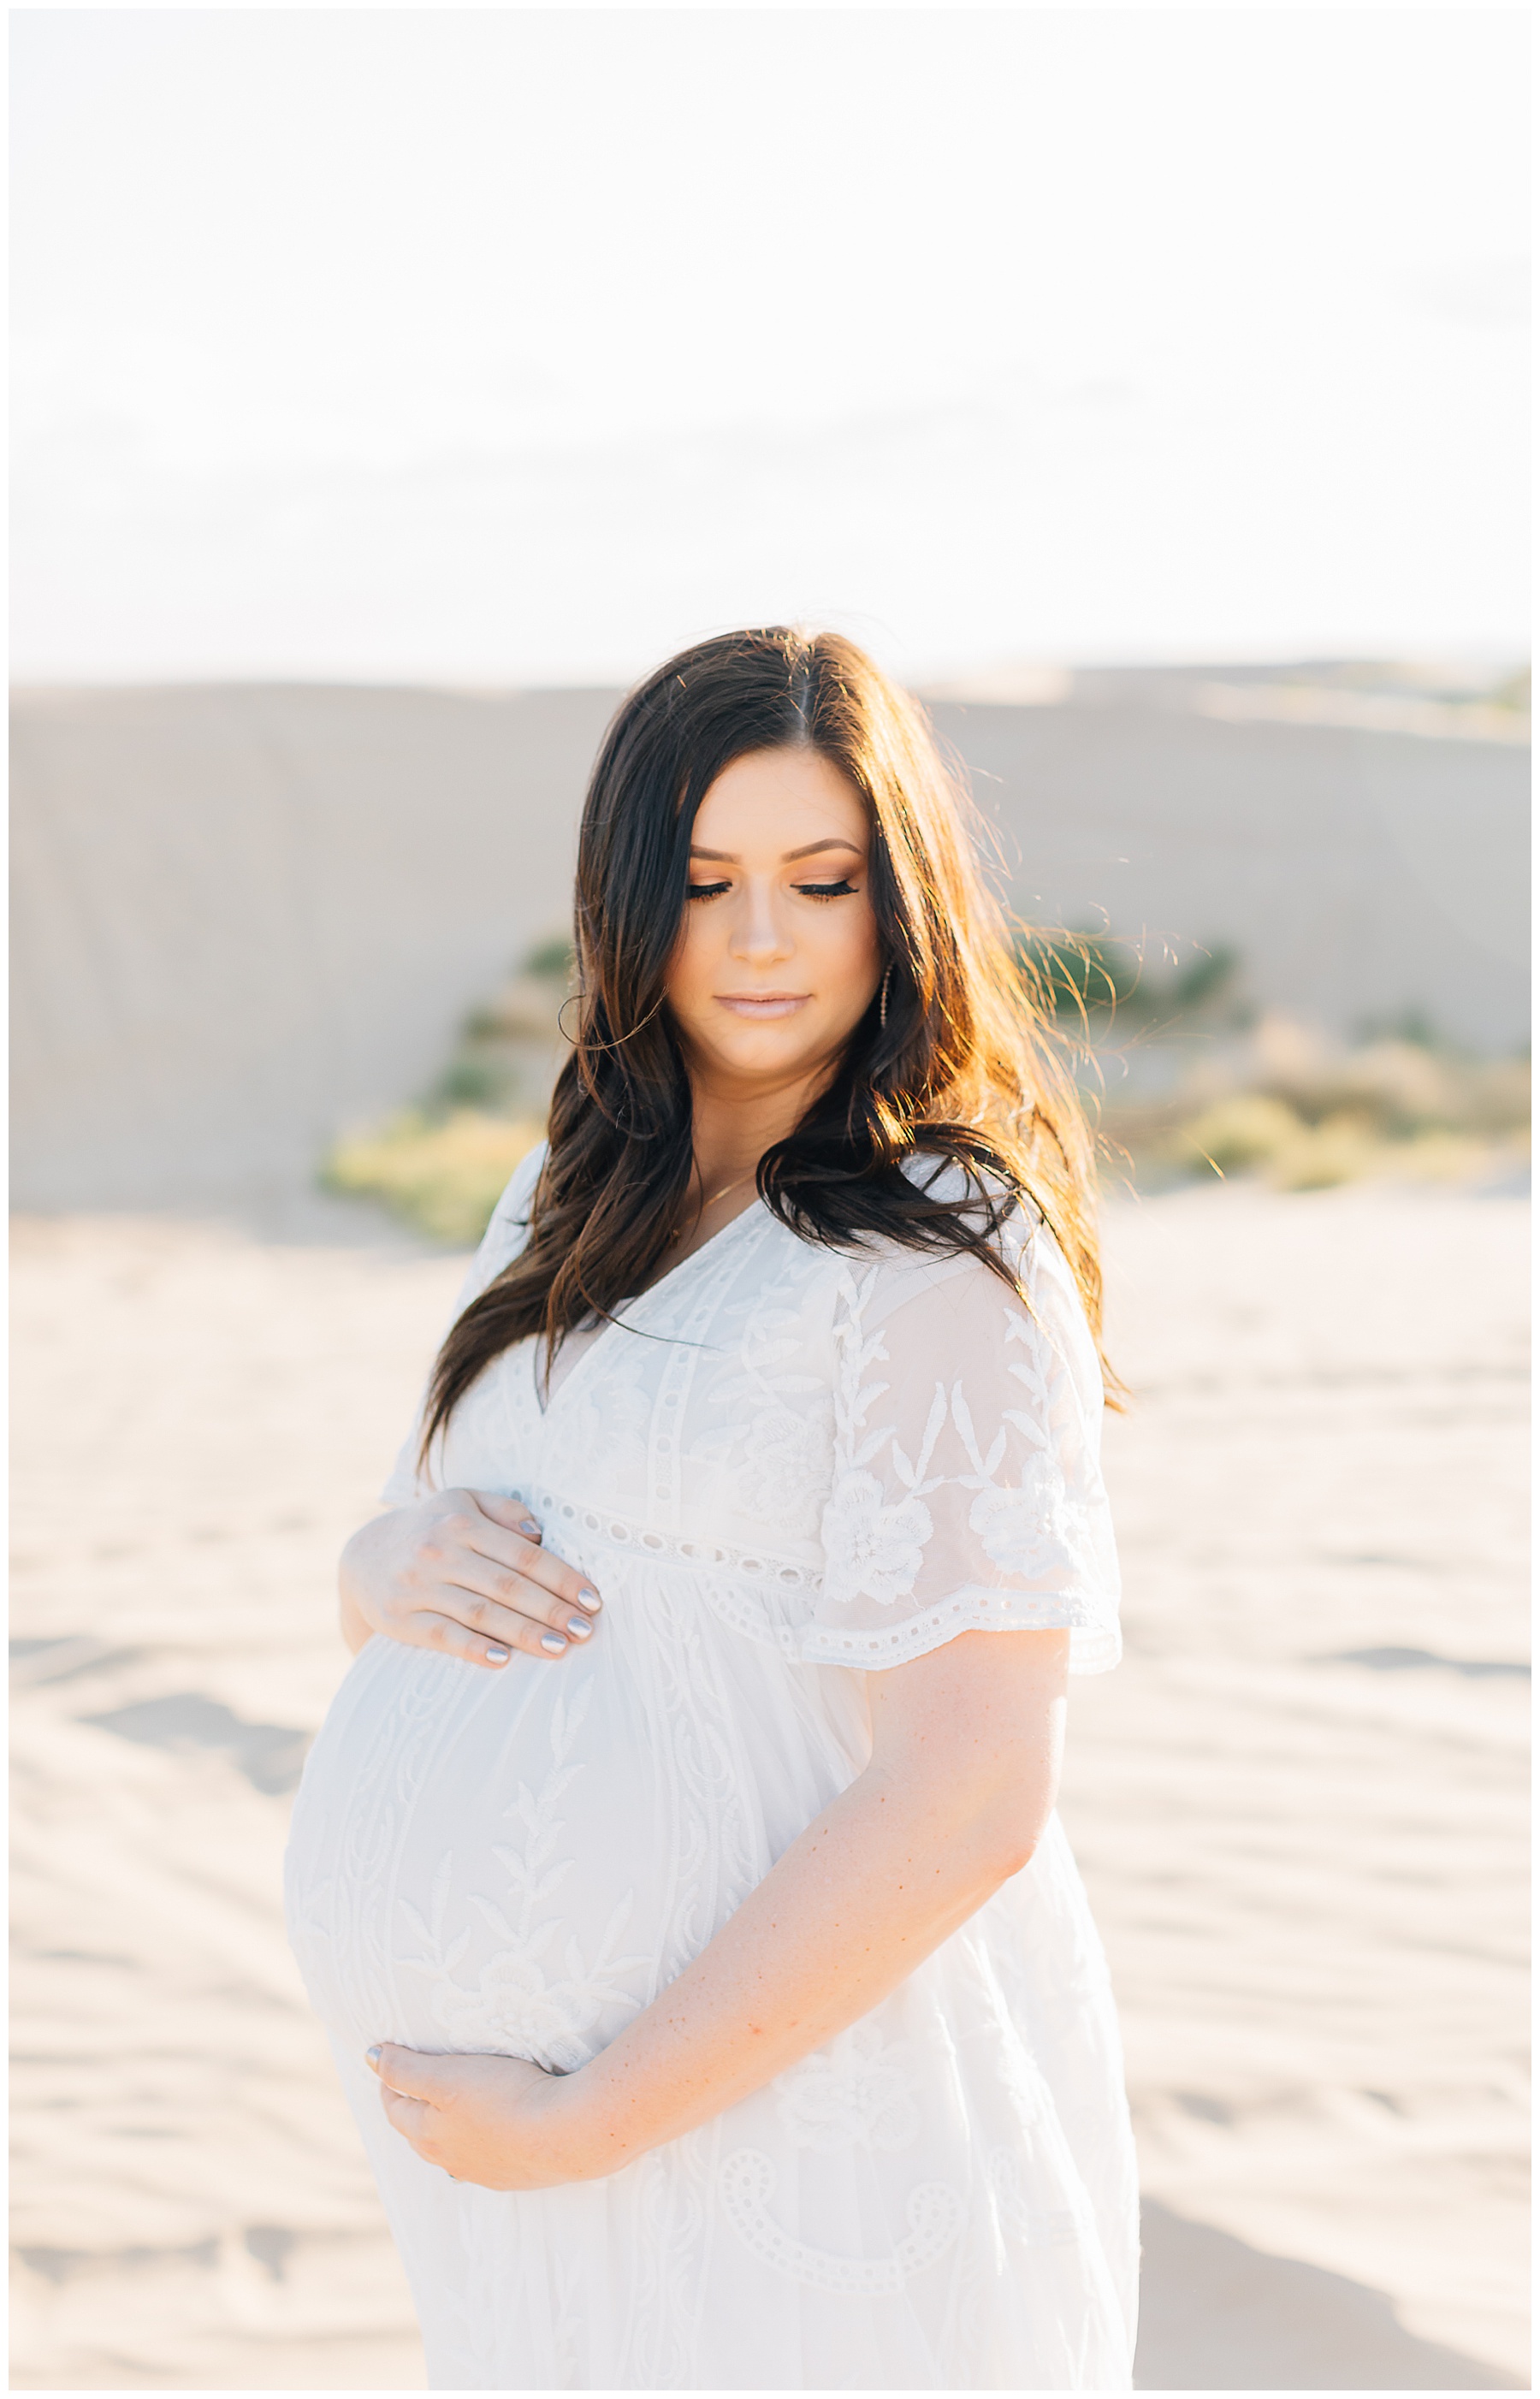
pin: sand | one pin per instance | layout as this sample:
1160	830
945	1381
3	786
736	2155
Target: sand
1299	1806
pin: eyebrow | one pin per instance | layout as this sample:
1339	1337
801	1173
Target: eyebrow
809	849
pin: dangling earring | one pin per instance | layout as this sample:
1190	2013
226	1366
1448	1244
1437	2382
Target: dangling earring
882	1000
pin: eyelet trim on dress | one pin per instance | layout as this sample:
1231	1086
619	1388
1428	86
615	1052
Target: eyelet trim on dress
742	1588
1097	1646
759	1567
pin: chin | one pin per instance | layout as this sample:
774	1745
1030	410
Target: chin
763	1050
763	1054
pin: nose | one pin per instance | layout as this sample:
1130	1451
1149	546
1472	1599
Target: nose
759	936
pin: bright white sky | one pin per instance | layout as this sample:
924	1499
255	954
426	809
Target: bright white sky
527	345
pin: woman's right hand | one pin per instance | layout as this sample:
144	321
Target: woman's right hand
464	1572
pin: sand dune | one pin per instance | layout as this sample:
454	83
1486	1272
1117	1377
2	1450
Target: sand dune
248	917
1299	1805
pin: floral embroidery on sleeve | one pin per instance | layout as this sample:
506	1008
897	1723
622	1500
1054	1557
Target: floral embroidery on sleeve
874	1545
988	1507
1031	1528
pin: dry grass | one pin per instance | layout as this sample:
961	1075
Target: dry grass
1293	1108
444	1178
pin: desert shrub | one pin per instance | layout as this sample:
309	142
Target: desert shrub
1404	1087
1315	1147
442	1177
1441	1156
1338	1150
551	961
1096	981
472	1082
1494	1098
1207	975
1081	976
1246	1129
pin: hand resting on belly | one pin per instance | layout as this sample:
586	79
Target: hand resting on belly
964	1774
464	1572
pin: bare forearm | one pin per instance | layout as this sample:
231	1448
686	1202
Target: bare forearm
964	1766
849	1911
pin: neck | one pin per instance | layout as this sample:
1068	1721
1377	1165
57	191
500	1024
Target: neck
732	1130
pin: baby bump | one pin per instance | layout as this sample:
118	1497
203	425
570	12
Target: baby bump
480	1862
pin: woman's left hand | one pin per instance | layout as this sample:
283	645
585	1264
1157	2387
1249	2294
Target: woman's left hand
500	2121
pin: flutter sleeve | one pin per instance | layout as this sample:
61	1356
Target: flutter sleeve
967	1491
501	1243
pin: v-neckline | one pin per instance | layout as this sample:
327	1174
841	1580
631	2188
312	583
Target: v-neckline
620	1323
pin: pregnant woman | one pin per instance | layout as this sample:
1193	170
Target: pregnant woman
677	1870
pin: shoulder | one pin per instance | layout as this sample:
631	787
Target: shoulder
1018	1237
512	1215
967	1306
507	1228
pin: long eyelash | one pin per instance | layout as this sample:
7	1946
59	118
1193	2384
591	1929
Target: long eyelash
842	889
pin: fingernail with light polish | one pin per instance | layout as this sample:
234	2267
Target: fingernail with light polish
530	1528
553	1642
587	1597
497	1655
372	2055
579	1627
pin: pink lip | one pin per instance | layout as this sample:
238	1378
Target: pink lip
762	1003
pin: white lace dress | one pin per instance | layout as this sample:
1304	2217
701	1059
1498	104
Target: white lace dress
786	1467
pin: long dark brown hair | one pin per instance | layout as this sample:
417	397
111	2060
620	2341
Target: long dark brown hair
965	1068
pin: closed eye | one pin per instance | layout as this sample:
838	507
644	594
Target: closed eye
705	890
841	890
